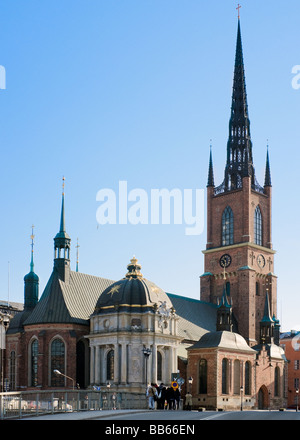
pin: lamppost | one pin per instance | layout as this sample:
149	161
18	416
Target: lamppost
4	322
58	373
297	394
190	383
241	389
147	352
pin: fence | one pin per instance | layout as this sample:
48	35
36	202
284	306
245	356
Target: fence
22	404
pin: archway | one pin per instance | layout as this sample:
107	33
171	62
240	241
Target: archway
263	398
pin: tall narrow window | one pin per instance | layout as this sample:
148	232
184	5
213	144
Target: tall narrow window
258	226
227	227
257	290
225	376
159	366
237	377
110	365
247	378
277	381
12	371
203	376
57	362
34	363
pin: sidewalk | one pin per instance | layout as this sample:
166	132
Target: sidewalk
85	415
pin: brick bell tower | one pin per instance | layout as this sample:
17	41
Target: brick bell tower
239	249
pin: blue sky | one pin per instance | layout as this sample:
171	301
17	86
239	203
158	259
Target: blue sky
101	91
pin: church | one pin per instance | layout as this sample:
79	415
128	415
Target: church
130	332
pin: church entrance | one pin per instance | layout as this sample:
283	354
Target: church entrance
263	398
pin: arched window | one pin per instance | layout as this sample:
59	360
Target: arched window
227	227
34	350
159	366
258	226
12	371
237	377
203	376
57	362
110	365
277	381
225	376
247	378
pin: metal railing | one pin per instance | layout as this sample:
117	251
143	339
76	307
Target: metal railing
30	403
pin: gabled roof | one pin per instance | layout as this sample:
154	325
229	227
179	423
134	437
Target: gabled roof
71	302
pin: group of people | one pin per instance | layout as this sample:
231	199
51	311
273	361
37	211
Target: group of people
165	397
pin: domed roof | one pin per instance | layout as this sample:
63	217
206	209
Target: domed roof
223	339
31	276
134	293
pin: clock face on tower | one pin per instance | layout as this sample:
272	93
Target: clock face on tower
225	260
261	261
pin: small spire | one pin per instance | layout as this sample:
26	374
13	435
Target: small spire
210	181
62	217
268	170
32	244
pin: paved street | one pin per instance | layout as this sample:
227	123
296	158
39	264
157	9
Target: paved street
174	416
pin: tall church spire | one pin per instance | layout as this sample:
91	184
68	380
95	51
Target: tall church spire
239	147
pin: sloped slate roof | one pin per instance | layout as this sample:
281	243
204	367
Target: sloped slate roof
196	317
68	303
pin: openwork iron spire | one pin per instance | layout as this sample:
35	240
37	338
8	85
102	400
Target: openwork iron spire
239	162
239	148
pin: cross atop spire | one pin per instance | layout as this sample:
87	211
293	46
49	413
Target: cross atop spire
238	9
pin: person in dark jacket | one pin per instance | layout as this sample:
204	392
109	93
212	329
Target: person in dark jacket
177	398
170	397
161	396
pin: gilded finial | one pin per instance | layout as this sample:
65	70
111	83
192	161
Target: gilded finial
63	185
32	238
238	9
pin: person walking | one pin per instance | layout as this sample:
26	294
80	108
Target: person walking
188	401
170	397
151	393
161	396
177	398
